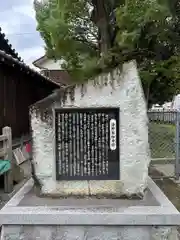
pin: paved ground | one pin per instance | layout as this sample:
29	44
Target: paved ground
168	171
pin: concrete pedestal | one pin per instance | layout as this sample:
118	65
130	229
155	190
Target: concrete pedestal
28	217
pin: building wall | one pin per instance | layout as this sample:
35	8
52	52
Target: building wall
51	64
18	91
176	103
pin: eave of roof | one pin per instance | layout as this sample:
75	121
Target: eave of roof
9	60
47	101
38	61
8	47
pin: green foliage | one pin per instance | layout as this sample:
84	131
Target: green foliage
147	27
68	34
161	80
145	30
133	17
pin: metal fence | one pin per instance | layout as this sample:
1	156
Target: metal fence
164	138
163	116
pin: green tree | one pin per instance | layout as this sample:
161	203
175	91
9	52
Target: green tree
96	34
152	31
68	34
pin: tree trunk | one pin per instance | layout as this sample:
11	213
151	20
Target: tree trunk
147	95
100	18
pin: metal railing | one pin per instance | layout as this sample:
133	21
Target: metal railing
163	116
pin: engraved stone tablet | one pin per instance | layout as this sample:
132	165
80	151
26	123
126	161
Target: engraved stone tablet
87	143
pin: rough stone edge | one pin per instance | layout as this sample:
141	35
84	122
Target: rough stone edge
100	81
97	196
104	194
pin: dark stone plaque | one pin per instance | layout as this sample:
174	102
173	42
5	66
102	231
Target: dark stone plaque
87	143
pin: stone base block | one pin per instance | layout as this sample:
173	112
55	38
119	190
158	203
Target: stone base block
83	189
88	233
28	217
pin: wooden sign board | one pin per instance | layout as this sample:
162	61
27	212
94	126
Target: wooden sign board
19	157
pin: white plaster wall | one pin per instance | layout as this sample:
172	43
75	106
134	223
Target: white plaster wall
50	64
126	93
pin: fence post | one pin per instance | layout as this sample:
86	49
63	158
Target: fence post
7	146
177	163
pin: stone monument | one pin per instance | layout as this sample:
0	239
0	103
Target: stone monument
92	140
90	150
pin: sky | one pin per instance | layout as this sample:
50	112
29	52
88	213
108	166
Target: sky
18	23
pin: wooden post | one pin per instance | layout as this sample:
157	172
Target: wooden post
7	146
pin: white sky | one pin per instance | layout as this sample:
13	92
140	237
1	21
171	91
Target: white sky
17	20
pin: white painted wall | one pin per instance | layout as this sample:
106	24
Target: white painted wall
50	64
127	94
176	103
